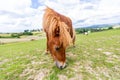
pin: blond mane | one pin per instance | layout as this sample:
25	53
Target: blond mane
53	20
65	35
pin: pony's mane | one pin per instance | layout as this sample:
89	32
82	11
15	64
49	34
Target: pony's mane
50	21
65	35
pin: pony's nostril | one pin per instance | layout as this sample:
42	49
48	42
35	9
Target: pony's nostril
60	67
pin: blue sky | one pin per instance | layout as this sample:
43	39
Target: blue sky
18	15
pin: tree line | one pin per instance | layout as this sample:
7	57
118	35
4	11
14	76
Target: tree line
83	30
17	35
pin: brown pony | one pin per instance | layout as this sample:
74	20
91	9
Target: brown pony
59	33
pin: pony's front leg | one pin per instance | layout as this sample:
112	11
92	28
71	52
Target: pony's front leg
47	49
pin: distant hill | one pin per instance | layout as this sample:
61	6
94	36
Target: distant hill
102	25
96	25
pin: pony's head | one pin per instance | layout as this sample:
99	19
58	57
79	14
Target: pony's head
59	39
58	52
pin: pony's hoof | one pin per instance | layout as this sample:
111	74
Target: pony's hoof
46	52
74	46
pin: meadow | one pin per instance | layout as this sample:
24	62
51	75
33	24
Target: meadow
95	57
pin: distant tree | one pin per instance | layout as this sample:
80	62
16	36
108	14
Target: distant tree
110	27
15	35
27	32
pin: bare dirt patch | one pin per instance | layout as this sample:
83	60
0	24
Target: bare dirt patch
33	74
107	53
40	74
4	61
77	77
99	49
13	40
10	40
62	77
70	54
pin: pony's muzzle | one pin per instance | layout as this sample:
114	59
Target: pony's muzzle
60	65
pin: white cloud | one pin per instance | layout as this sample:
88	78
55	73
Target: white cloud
14	4
18	15
104	12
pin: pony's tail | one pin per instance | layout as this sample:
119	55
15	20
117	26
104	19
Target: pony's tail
65	35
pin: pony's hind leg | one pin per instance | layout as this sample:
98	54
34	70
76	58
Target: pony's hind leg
73	41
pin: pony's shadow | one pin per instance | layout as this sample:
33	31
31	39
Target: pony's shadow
71	56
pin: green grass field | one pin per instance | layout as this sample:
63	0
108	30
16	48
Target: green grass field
95	57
